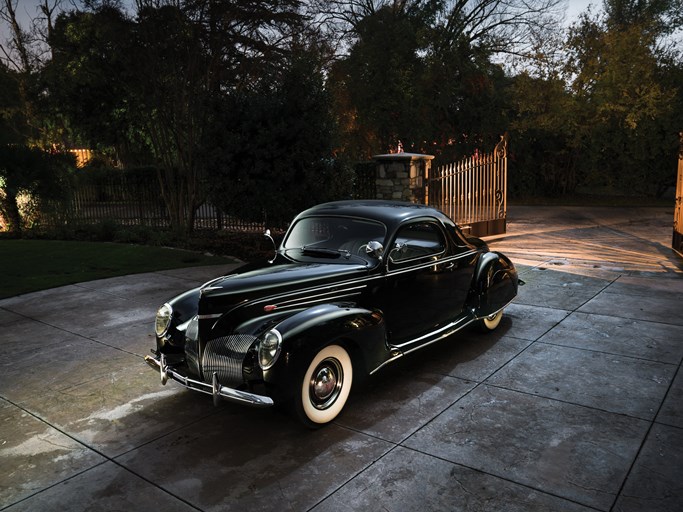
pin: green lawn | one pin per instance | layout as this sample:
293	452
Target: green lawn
31	265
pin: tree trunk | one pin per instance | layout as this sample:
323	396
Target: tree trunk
10	212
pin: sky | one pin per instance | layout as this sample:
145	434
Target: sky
576	7
27	9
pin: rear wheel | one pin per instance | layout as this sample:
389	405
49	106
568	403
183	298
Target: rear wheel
324	387
490	322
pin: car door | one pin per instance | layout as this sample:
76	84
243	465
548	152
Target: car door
426	283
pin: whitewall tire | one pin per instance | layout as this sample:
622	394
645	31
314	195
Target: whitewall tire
491	322
325	386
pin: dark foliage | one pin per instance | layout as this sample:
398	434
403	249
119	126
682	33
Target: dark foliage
272	150
43	179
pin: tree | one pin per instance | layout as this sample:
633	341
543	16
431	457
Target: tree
36	175
25	53
657	17
421	71
379	81
621	84
464	93
218	47
273	151
28	174
125	82
494	25
16	52
545	127
86	83
13	126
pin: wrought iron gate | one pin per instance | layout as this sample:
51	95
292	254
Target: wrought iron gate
677	242
473	191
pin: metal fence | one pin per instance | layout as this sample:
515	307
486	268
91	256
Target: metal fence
131	198
473	191
136	201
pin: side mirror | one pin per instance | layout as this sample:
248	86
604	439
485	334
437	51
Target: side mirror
399	249
374	249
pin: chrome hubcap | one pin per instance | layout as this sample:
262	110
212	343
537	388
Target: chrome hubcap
326	383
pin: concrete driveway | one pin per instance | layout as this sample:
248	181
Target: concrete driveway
575	403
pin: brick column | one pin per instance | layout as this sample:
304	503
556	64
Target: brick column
403	176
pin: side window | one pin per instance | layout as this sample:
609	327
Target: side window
417	240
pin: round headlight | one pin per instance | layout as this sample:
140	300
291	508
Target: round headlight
269	349
163	320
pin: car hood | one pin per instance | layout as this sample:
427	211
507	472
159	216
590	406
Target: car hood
264	280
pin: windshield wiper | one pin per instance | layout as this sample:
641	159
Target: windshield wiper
322	251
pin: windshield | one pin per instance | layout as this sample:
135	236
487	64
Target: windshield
339	234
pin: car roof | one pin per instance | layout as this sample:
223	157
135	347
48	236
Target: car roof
391	213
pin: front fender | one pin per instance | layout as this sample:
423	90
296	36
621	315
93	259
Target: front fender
362	333
494	284
184	307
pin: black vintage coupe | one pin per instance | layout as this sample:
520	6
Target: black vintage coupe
354	286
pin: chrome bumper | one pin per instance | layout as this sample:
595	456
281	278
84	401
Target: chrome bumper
215	388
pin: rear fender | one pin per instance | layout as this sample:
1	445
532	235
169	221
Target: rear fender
494	284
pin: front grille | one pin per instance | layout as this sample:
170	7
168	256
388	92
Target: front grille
225	356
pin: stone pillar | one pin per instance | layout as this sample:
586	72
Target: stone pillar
403	176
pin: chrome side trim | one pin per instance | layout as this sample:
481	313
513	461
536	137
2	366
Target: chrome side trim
318	292
214	389
440	334
330	298
427	264
219	315
393	358
449	329
210	317
333	294
341	292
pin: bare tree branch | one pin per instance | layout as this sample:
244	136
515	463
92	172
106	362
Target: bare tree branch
28	48
20	39
497	25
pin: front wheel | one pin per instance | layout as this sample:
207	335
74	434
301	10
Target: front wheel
490	322
325	386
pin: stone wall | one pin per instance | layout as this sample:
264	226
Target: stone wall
403	176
